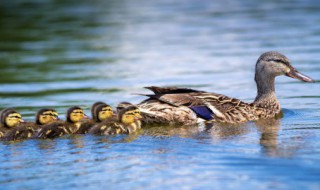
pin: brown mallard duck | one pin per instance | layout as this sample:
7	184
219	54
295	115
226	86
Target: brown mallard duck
100	112
186	106
9	119
127	122
27	130
72	124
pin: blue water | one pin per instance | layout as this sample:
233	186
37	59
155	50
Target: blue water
59	54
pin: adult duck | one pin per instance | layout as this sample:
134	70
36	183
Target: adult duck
186	106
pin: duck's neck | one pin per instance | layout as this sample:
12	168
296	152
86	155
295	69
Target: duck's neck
266	96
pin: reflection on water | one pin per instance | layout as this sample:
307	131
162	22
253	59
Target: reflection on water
64	53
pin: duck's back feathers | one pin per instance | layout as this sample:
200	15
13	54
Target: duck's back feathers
170	90
208	106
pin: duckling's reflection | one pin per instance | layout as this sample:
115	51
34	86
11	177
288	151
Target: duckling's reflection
169	131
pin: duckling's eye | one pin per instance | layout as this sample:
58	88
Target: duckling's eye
107	109
80	112
17	116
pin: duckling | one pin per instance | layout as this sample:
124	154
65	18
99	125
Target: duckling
74	117
127	122
100	112
28	129
9	119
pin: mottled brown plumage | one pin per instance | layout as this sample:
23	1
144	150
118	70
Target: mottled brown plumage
119	125
72	124
9	119
27	130
173	105
97	109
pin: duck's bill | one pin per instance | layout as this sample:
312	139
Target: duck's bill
297	75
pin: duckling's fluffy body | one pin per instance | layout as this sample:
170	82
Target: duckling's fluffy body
56	129
127	122
100	112
29	129
9	119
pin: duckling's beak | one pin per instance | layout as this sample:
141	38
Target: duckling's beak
85	116
22	121
138	117
293	73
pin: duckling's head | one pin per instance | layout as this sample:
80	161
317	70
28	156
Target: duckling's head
272	64
46	115
94	106
102	112
75	114
10	117
122	105
129	115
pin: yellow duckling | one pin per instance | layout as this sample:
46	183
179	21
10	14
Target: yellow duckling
127	122
9	119
27	130
100	112
74	117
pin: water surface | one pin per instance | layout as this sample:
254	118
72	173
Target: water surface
59	54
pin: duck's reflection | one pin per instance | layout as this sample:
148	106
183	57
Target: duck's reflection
269	130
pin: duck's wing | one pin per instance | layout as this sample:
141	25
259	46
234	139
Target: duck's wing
208	106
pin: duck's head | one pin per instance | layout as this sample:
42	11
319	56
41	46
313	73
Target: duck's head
46	115
272	64
102	112
129	115
75	114
123	105
10	117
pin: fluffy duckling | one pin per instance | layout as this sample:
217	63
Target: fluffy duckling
28	129
9	118
74	117
100	112
127	122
